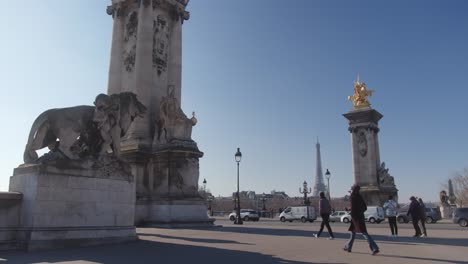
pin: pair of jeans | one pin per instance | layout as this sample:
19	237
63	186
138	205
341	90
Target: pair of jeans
393	225
417	230
423	225
372	245
325	222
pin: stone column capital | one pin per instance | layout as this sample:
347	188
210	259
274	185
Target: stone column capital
176	8
117	8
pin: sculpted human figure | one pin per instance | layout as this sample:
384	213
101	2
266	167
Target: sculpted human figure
89	130
172	123
385	178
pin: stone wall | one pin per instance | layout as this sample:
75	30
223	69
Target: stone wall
10	205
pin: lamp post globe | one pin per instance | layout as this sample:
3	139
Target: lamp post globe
238	157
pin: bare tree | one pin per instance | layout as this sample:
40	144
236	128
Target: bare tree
460	187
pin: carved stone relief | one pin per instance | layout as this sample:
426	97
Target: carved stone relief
129	59
362	142
131	26
160	43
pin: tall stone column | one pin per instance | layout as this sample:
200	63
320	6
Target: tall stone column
175	61
115	68
140	135
371	175
146	59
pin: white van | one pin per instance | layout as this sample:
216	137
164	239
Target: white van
303	213
374	214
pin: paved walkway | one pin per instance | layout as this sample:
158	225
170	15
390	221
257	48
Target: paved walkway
262	242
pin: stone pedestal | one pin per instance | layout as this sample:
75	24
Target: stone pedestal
167	186
66	206
376	184
445	211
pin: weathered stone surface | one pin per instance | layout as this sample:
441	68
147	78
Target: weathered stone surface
368	171
72	206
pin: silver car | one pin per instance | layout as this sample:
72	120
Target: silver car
246	215
336	216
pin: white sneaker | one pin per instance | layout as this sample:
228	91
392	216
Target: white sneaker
422	235
331	238
316	236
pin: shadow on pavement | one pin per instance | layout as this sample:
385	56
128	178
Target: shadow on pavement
199	240
144	251
419	258
377	238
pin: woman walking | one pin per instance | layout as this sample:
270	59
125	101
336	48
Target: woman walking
358	225
391	209
324	211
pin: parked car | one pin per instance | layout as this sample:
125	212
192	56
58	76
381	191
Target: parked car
245	214
373	214
346	218
336	216
432	216
460	216
303	213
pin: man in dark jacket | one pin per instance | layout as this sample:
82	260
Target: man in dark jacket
415	212
423	216
324	211
358	224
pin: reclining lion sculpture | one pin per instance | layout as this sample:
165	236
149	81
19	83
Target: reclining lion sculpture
84	130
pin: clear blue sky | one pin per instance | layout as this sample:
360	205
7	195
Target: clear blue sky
268	76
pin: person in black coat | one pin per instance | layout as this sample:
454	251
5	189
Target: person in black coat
358	224
415	212
423	216
324	211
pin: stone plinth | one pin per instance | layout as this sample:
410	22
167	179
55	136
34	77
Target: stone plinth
445	211
73	207
167	186
10	206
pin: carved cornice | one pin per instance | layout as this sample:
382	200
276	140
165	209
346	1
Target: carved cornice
176	8
368	127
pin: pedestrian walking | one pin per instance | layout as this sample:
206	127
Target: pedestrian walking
391	209
324	211
358	225
423	216
415	212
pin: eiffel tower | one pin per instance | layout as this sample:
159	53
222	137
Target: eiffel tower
319	185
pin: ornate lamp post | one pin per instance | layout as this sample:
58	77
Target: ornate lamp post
204	186
238	157
209	205
263	199
305	191
327	175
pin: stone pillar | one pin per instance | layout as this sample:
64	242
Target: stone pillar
115	67
363	125
175	58
139	135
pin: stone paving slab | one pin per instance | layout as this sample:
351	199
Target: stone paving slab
261	242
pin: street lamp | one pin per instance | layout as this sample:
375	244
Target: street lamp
238	157
327	175
204	186
209	206
305	191
263	199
